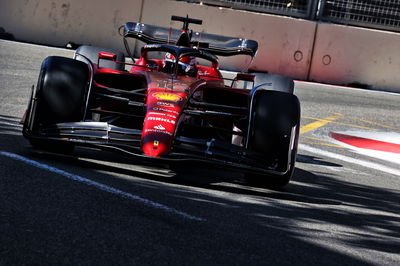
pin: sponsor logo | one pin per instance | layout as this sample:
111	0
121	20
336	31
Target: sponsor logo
167	96
157	131
172	116
162	114
205	73
168	84
165	110
159	127
152	46
156	113
165	104
161	119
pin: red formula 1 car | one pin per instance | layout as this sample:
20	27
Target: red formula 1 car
172	104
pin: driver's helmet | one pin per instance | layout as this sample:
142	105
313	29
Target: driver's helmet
186	65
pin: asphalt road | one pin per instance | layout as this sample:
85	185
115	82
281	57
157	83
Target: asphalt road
95	208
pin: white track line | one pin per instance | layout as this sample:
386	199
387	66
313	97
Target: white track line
101	186
332	155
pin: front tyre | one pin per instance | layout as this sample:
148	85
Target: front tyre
59	97
274	134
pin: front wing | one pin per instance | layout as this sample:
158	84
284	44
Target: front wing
107	136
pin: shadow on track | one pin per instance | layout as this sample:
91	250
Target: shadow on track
246	225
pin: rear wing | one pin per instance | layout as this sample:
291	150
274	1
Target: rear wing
215	44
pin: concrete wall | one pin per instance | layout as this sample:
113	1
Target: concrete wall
59	22
345	55
294	47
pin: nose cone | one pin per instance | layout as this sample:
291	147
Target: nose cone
154	148
165	101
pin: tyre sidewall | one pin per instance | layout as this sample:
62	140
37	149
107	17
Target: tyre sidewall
61	90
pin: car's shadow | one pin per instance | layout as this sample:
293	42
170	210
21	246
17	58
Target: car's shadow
185	173
312	196
305	186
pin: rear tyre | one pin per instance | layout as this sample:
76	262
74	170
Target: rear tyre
92	53
59	97
274	133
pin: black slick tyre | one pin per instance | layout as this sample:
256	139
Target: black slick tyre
274	133
59	97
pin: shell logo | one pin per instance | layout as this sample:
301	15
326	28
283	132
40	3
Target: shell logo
167	96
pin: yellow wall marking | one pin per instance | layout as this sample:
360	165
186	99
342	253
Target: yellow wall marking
339	123
377	124
311	140
330	119
319	123
324	144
